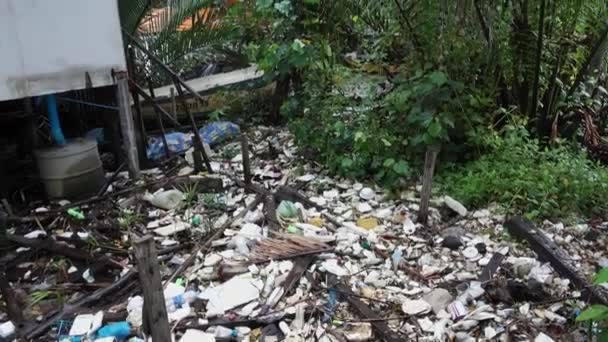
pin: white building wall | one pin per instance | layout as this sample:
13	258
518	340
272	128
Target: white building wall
49	46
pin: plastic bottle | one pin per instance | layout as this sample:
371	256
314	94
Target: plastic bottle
167	200
223	332
179	300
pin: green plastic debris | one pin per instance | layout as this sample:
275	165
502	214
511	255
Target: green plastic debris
293	229
180	281
76	213
196	221
287	210
366	245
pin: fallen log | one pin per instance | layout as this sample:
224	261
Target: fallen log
548	251
60	249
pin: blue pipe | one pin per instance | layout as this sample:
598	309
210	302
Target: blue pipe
56	132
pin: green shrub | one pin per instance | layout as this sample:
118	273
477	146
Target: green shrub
384	137
527	178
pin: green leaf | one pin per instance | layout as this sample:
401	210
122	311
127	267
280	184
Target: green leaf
264	4
593	313
601	277
389	162
386	142
347	163
435	129
401	168
312	2
438	78
360	136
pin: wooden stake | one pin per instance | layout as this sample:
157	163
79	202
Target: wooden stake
12	307
155	318
126	123
199	146
246	163
427	184
173	104
160	121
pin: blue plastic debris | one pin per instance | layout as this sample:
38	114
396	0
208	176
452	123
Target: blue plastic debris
212	133
215	132
332	304
178	143
396	257
119	330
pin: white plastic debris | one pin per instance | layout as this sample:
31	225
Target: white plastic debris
35	234
7	329
470	252
489	332
358	331
542	274
82	325
87	276
193	335
367	194
167	200
331	266
364	208
409	227
438	299
171	229
426	324
455	206
543	338
415	307
212	260
235	292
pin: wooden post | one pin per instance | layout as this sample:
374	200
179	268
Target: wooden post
12	307
160	120
141	137
427	184
155	318
173	104
197	140
246	163
126	123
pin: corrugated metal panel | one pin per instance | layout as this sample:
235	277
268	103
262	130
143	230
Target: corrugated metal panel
50	46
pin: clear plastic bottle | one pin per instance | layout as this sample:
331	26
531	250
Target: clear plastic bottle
177	302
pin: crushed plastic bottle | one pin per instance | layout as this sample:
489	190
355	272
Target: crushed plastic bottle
167	200
180	300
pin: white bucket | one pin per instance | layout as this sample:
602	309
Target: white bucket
72	170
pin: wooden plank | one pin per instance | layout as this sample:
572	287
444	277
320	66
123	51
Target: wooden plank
155	312
126	124
12	306
550	252
427	184
299	268
488	271
381	328
203	84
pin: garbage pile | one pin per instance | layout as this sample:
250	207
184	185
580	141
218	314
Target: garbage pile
293	256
